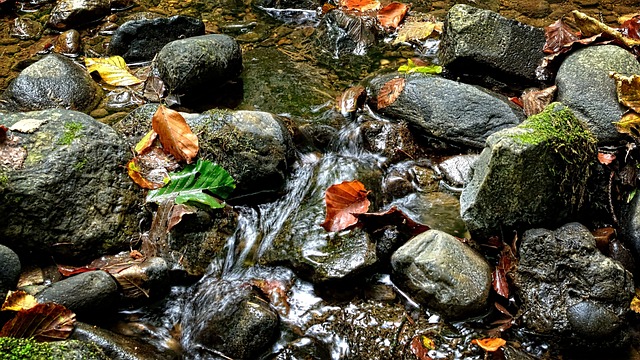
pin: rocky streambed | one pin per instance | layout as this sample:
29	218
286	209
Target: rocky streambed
533	220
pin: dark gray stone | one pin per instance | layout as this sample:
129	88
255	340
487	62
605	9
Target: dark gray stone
629	229
481	41
52	82
91	294
530	175
140	40
230	318
584	85
10	268
69	196
67	14
191	65
570	290
454	112
443	273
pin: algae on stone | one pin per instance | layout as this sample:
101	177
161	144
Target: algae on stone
29	349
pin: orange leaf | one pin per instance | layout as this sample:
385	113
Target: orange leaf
150	169
391	15
420	346
351	99
18	301
146	142
343	201
389	92
175	135
489	344
43	322
135	173
605	158
360	5
67	270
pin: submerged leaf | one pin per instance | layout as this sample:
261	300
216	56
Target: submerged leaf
175	134
390	91
43	322
628	89
343	202
392	15
113	70
489	344
420	346
193	184
18	301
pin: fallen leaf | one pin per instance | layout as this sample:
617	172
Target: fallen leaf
516	100
351	99
558	36
603	237
343	202
534	101
174	134
67	270
631	27
590	26
360	5
12	155
177	212
606	158
3	133
629	124
151	169
420	346
506	263
628	90
18	301
135	254
154	88
635	302
390	91
393	216
417	30
43	322
391	15
326	7
489	344
277	293
27	126
113	70
146	142
411	66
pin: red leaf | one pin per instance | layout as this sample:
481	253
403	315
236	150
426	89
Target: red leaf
3	133
419	349
43	322
390	91
605	158
506	263
66	270
391	15
516	100
343	201
175	135
558	36
631	27
393	216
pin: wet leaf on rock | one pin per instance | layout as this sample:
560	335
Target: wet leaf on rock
506	263
351	99
196	185
635	302
392	15
27	126
343	202
628	89
393	216
631	27
113	70
18	301
603	237
177	212
67	270
154	88
151	169
629	124
411	66
277	293
534	101
420	346
489	344
43	322
175	134
390	91
590	26
559	35
146	142
360	5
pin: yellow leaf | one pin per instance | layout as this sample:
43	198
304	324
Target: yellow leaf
489	344
629	124
146	142
635	303
590	26
18	300
628	89
417	30
112	70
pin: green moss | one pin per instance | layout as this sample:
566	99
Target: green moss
80	164
27	349
71	131
4	179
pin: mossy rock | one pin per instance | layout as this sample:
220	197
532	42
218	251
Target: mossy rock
29	349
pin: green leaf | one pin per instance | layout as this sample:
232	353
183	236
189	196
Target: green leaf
412	67
195	185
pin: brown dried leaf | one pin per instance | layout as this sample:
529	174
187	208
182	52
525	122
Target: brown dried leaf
27	126
629	124
628	89
534	101
177	212
606	158
43	322
489	344
351	99
3	133
603	237
506	263
343	201
417	30
175	135
18	301
559	35
393	216
390	91
151	169
360	5
392	15
154	88
277	293
590	26
631	27
12	155
420	346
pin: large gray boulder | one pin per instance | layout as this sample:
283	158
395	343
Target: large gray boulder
140	40
52	82
532	174
443	273
452	111
65	192
570	290
189	66
585	86
482	42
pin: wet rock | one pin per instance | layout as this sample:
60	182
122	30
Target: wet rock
629	227
584	86
305	246
68	43
454	112
9	270
481	41
12	348
394	141
25	28
443	273
456	170
342	34
305	348
140	40
67	14
116	346
529	175
191	65
230	318
53	82
408	177
67	197
570	290
90	295
289	4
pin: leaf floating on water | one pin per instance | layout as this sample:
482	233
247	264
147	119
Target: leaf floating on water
193	184
343	202
534	101
18	301
113	70
392	15
175	134
559	35
489	344
351	99
360	5
43	322
390	91
393	216
411	66
628	89
629	124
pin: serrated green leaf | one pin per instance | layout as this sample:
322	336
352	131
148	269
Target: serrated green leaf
412	67
196	184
